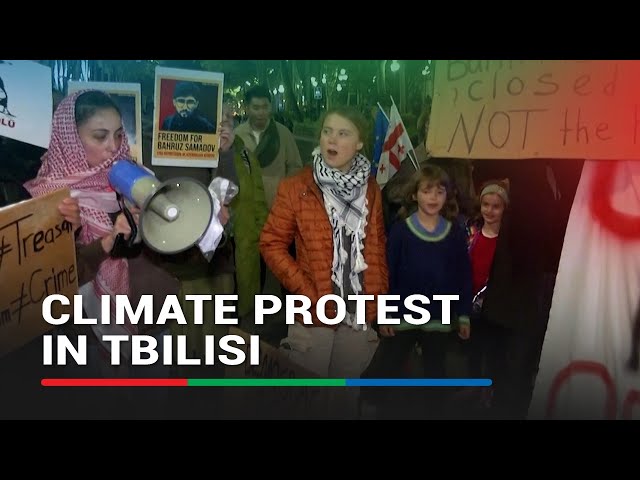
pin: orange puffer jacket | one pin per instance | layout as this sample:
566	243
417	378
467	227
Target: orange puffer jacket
298	213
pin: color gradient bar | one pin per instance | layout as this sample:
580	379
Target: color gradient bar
114	382
266	382
418	382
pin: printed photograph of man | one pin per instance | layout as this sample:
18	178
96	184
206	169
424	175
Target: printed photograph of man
194	108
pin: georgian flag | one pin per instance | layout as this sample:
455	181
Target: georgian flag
396	148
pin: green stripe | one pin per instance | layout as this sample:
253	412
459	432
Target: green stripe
425	237
266	382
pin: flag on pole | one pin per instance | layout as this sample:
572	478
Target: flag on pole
379	132
397	146
590	363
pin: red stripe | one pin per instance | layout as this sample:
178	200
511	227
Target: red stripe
623	225
114	382
393	160
583	367
393	138
389	144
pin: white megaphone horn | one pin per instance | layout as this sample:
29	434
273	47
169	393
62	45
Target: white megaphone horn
174	214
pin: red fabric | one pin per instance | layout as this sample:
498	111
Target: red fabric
481	260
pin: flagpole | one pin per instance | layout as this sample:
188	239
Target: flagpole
383	112
414	158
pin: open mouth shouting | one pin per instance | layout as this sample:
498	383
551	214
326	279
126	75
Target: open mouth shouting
332	152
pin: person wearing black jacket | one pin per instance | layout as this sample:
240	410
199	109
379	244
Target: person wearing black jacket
518	294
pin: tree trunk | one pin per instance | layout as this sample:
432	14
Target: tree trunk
306	84
289	93
261	72
403	88
382	78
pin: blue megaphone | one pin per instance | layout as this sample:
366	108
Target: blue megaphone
174	214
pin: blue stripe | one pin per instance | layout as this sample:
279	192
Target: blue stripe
418	382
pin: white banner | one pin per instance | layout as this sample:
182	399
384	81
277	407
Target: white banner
26	102
589	363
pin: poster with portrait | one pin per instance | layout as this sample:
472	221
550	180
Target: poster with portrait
26	102
187	113
128	98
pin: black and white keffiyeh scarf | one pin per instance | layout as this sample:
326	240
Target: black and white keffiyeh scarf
345	201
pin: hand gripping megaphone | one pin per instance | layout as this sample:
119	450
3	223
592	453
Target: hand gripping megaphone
174	214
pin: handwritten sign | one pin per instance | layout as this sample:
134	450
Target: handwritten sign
512	109
37	259
272	402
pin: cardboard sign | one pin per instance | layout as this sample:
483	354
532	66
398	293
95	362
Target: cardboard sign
272	402
37	259
26	102
188	111
128	98
512	109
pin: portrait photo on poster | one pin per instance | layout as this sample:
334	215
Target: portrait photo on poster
4	100
193	107
127	105
187	113
128	98
25	102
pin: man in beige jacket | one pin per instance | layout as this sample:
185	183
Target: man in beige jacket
271	141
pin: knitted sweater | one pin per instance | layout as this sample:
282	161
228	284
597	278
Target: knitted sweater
429	263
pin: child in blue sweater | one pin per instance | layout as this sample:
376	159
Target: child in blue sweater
427	255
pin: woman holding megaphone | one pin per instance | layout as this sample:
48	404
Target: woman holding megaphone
87	138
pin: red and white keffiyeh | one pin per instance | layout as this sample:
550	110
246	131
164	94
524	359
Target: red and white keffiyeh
65	165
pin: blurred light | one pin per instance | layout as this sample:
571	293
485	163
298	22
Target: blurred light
339	87
395	66
281	88
343	71
324	79
313	79
248	84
